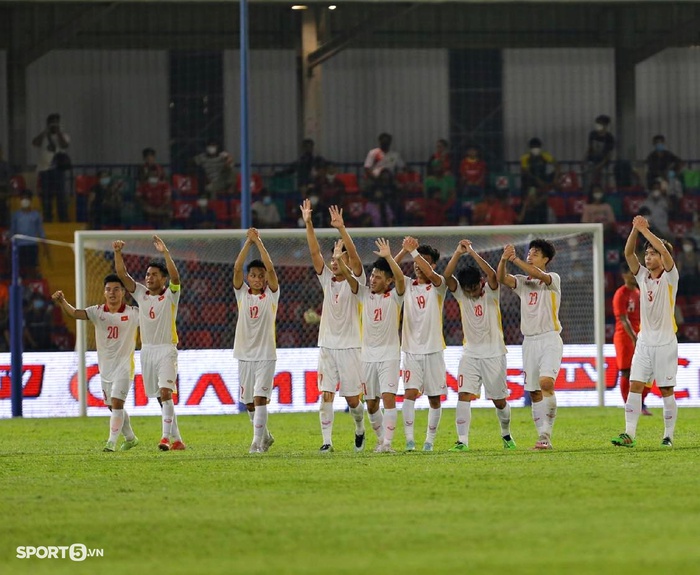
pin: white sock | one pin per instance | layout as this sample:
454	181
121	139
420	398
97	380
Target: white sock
433	424
408	411
168	412
463	418
251	416
259	424
670	415
538	415
633	409
358	414
550	413
390	418
376	420
504	419
175	430
325	413
126	427
116	420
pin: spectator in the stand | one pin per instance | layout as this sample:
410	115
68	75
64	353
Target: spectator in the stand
435	211
38	321
445	182
599	153
382	159
4	191
218	169
326	191
28	222
305	167
202	216
534	209
494	210
105	203
472	173
149	160
597	210
441	157
265	212
661	162
688	262
383	194
155	199
658	205
52	143
538	169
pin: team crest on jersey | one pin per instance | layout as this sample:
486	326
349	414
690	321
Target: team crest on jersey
161	298
261	296
428	287
125	318
387	294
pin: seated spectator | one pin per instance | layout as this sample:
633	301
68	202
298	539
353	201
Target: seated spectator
155	199
598	211
378	210
534	209
494	210
435	211
38	322
28	222
305	167
218	170
202	216
538	169
441	157
444	182
382	159
149	161
658	205
688	262
105	203
662	163
265	212
385	191
326	191
472	173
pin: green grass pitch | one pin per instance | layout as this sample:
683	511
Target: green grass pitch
586	507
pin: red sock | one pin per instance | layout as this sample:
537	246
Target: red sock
625	386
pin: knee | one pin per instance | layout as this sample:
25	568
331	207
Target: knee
434	401
411	394
166	394
500	403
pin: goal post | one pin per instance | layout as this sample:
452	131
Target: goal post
207	314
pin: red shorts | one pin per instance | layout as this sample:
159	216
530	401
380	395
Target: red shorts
624	350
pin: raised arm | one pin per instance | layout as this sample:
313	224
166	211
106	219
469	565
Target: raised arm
272	280
642	224
343	268
631	249
311	239
384	251
483	264
450	279
501	275
338	223
238	264
531	270
410	245
120	268
169	263
60	299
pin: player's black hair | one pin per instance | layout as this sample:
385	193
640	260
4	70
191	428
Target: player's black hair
148	152
547	248
160	266
468	277
603	119
113	278
256	264
383	266
534	143
426	250
669	246
345	250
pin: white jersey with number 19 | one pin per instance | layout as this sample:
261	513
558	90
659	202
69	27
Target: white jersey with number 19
422	317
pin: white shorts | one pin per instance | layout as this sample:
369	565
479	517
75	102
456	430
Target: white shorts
490	372
256	378
425	372
541	358
380	377
159	368
340	370
657	362
119	389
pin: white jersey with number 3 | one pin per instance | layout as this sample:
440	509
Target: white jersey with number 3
157	314
657	303
255	329
380	324
422	317
481	323
340	317
539	304
115	334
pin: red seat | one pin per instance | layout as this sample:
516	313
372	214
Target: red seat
256	184
558	205
18	183
689	205
354	207
85	183
199	339
623	229
575	205
40	286
411	182
568	182
631	204
680	229
690	331
185	186
452	312
214	313
220	208
349	180
182	209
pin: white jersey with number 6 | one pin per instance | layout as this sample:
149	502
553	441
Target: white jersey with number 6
380	324
539	304
481	323
157	314
115	334
657	302
422	317
255	329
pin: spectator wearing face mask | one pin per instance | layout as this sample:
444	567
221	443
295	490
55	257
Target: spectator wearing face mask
661	162
599	152
597	210
149	160
202	216
28	222
265	212
538	169
688	263
154	197
218	169
105	203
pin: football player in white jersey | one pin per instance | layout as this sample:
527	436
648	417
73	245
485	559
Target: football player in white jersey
115	333
158	301
540	298
339	337
483	360
254	344
656	353
422	341
381	351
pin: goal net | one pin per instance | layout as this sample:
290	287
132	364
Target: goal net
207	312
